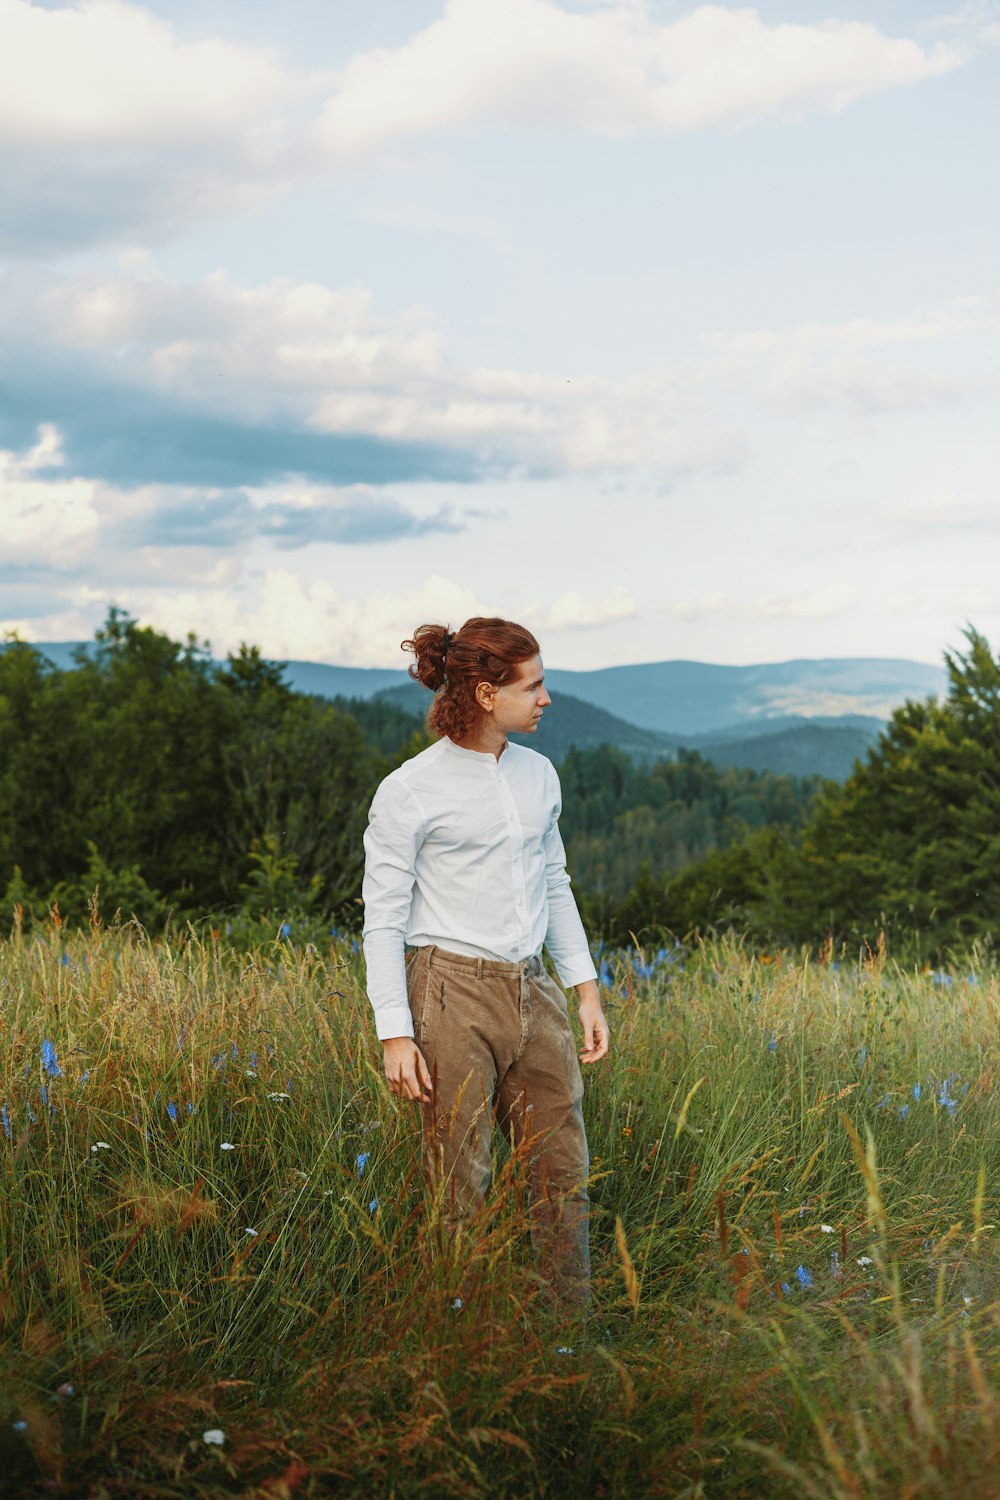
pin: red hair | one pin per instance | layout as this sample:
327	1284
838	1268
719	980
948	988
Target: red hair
453	666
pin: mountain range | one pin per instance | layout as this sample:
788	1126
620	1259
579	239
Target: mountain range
804	717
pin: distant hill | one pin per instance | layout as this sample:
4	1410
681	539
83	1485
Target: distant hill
804	750
689	697
803	717
566	723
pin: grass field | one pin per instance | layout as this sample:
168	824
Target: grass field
220	1275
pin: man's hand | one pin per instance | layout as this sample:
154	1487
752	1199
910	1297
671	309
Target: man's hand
405	1070
596	1036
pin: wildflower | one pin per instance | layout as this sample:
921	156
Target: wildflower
803	1277
20	1426
373	1205
5	1117
904	1110
253	1059
227	1146
66	1389
249	1073
772	1045
626	1130
457	1304
85	1076
864	1260
279	1096
251	1232
285	930
171	1109
786	1289
218	1061
361	1163
214	1435
564	1349
44	1095
189	1107
916	1091
49	1062
100	1146
826	1228
835	1270
234	1051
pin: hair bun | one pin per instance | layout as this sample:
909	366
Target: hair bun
429	645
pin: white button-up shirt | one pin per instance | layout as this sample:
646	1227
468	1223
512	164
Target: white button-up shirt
463	850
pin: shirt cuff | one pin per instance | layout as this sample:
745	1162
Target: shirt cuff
393	1020
576	970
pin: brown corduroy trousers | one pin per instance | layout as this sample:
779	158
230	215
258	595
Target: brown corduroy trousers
497	1040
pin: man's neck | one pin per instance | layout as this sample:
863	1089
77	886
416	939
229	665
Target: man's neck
490	741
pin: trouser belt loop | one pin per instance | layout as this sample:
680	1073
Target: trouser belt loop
479	969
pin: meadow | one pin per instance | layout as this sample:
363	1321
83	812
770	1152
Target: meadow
220	1274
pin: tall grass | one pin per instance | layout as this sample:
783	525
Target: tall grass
212	1222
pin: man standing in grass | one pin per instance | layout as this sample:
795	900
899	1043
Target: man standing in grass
464	862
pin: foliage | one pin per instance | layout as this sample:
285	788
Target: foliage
794	1187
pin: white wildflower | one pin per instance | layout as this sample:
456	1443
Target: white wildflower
214	1435
100	1146
227	1146
864	1260
826	1228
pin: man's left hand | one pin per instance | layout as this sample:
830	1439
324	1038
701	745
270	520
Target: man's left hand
596	1036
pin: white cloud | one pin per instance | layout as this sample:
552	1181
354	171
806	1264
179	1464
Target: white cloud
614	71
835	598
107	74
113	125
323	357
946	320
574	611
289	616
945	511
823	602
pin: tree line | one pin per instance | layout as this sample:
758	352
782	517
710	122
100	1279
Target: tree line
191	790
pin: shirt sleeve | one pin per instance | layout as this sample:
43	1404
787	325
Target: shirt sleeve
565	937
392	839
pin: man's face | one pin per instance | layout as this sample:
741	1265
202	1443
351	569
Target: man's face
518	705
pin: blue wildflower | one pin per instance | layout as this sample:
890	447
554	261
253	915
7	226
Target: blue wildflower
772	1045
253	1060
835	966
5	1117
286	929
373	1205
218	1061
171	1109
43	1091
85	1076
234	1051
65	960
49	1062
786	1289
916	1091
835	1265
362	1162
803	1277
904	1110
189	1107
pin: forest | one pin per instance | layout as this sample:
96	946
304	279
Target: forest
184	790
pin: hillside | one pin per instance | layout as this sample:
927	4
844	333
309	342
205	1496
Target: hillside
568	722
680	699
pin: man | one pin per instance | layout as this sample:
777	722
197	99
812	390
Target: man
464	862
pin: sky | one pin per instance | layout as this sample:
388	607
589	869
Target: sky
668	330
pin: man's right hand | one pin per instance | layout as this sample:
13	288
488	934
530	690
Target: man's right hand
405	1070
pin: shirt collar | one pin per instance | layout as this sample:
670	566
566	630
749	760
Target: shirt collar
475	754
